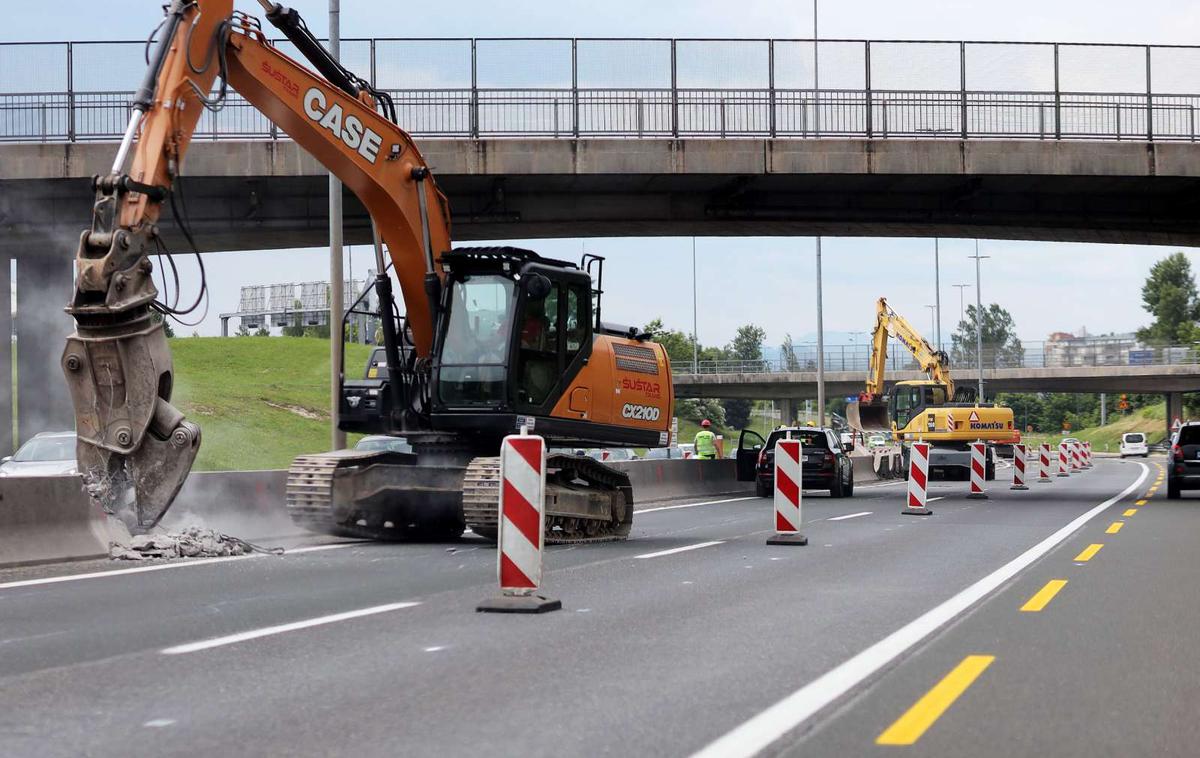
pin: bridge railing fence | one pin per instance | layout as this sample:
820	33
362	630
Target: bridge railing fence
654	88
856	358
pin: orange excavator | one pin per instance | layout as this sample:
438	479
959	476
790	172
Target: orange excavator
494	339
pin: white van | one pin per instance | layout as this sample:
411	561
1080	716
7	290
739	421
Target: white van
1134	443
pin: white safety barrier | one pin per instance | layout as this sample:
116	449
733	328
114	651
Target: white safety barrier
1018	467
789	472
918	480
978	470
1044	463
522	527
1063	466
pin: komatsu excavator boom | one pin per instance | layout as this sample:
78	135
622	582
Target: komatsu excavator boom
494	339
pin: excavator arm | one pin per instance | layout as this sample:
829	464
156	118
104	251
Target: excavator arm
135	449
890	323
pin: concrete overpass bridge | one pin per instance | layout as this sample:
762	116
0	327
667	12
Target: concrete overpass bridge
558	138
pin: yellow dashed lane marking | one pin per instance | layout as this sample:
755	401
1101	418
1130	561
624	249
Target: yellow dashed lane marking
1114	527
1140	502
1130	511
1044	596
1088	553
908	728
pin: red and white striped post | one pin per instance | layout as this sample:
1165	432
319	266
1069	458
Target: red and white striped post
1087	455
978	471
918	480
1044	463
1063	466
522	527
1018	467
1073	449
788	485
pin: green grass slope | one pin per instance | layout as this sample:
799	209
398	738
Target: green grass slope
259	401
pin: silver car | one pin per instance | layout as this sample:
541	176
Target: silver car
45	454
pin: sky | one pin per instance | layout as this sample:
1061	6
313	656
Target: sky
1047	287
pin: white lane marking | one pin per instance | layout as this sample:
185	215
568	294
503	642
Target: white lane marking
334	546
762	730
435	648
267	631
931	499
696	505
683	549
163	566
158	723
850	515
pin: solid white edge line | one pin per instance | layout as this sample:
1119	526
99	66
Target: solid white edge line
161	567
779	719
683	549
267	631
694	505
850	515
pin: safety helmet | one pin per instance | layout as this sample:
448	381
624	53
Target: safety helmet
705	423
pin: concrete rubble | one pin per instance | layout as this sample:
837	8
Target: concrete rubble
191	542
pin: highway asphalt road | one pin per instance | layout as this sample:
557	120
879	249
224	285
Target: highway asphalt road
692	636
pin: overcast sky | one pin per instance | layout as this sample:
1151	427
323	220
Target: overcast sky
1047	286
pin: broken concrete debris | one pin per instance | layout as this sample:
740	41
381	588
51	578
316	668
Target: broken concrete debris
191	542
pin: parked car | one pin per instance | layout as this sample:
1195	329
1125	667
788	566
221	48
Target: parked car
876	441
663	453
825	465
1134	443
1183	473
384	442
45	454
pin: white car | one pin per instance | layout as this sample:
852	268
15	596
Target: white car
1134	443
45	454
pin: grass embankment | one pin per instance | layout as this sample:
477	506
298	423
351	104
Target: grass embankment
1150	420
260	401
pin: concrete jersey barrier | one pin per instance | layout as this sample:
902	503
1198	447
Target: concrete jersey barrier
46	519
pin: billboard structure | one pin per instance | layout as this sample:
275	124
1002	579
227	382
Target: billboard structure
304	304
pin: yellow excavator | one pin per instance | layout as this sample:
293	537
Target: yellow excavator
495	339
931	410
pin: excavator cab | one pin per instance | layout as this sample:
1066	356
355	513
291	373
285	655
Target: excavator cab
514	329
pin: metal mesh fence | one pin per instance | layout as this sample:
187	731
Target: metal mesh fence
623	87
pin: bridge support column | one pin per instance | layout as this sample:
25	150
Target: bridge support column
788	411
1174	410
43	290
6	385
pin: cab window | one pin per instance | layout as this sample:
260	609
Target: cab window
538	353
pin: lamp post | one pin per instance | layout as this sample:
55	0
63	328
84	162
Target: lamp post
695	338
820	345
961	314
933	320
937	293
337	437
979	319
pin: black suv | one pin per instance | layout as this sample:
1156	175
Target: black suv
826	463
1183	471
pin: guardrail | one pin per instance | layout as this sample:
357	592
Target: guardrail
1031	355
567	88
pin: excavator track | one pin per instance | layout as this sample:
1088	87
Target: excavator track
564	474
310	499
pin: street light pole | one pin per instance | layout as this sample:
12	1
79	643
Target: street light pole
979	319
337	438
961	313
933	320
937	292
820	345
695	338
816	78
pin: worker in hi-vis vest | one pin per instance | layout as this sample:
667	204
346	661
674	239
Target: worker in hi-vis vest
706	441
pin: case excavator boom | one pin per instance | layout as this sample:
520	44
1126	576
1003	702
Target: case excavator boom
492	339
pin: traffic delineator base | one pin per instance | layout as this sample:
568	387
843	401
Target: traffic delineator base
916	512
793	538
518	604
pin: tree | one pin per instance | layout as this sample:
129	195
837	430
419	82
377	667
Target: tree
679	347
1169	295
262	331
158	318
294	329
698	409
243	330
787	354
1001	347
747	343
